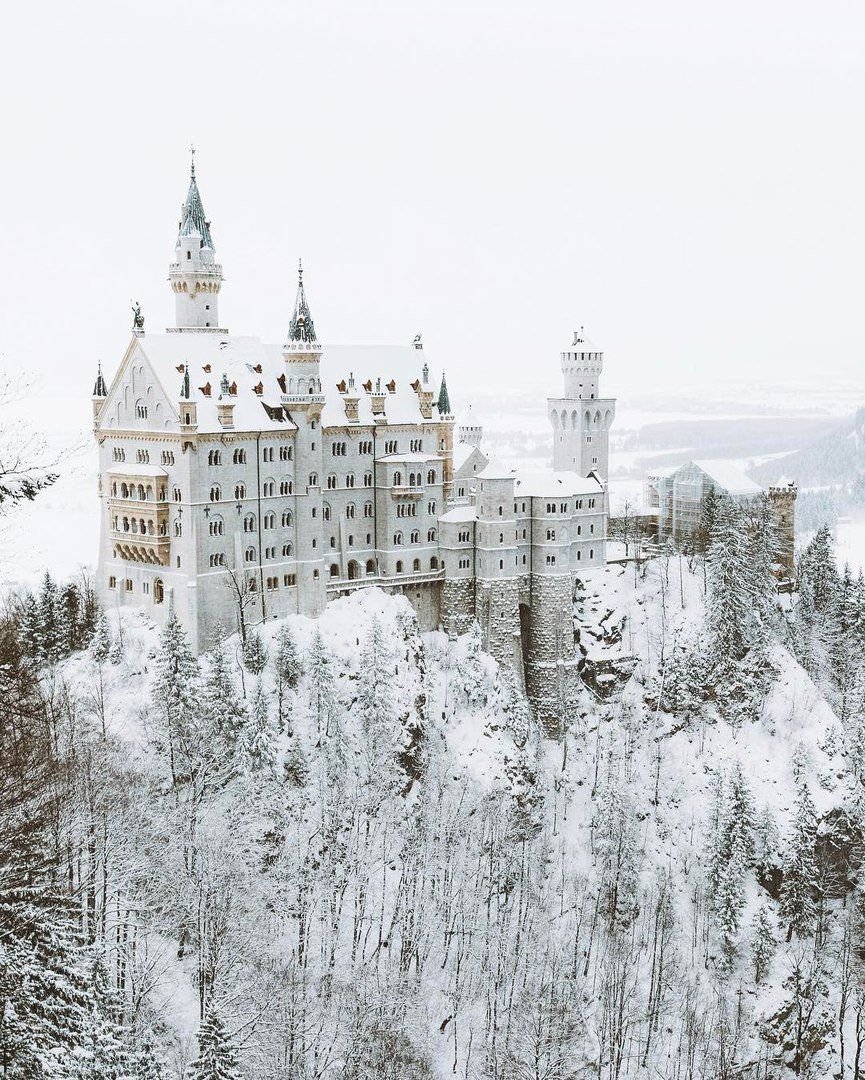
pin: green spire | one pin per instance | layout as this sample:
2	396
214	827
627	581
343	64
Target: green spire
193	219
184	389
444	402
301	327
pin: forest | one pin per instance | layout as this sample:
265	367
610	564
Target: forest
345	849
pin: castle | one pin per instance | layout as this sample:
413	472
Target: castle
241	481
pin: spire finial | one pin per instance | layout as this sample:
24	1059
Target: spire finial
301	327
192	160
300	271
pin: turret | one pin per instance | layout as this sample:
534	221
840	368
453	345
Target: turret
100	393
195	276
301	351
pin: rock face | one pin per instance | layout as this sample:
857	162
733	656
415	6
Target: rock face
606	677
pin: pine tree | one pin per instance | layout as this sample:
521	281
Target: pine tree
174	696
51	633
255	653
472	682
763	944
217	1056
819	567
729	608
618	855
30	630
287	668
258	733
220	704
375	696
71	618
728	900
800	866
322	695
101	644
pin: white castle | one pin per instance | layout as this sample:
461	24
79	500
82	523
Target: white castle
241	481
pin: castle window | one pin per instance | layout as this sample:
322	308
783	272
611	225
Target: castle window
501	564
239	457
367	510
331	482
287	519
349	480
431	506
249	523
129	584
334	570
140	410
563	508
333	542
284	487
270	553
285	453
325	511
551	534
167	457
370	567
145	587
397	478
178	528
158	591
524	560
143	457
367	479
415	537
397	539
349	510
416	566
290	580
433	563
313	479
287	551
591	504
315	575
350	540
270	521
551	560
215	526
431	476
240	491
591	553
112	583
249	554
431	536
579	530
592	529
268	488
215	493
214	457
579	556
462	492
399	566
267	453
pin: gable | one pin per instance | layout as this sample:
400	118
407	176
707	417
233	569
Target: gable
137	399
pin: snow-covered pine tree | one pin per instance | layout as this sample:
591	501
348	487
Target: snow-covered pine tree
798	909
763	944
618	855
819	567
320	680
30	630
220	704
217	1056
174	696
730	603
375	694
287	669
728	900
101	643
472	682
258	735
255	653
51	621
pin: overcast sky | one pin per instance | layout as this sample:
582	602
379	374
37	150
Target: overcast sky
688	184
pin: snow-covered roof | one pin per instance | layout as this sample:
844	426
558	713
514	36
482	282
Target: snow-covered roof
463	451
496	470
460	513
729	477
546	482
408	458
248	362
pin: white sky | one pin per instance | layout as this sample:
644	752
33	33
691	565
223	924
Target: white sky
688	183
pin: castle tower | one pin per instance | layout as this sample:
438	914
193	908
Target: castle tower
581	419
100	393
304	401
782	500
194	275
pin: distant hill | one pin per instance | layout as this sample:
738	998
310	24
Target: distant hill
835	459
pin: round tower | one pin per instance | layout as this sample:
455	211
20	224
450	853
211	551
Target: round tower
194	275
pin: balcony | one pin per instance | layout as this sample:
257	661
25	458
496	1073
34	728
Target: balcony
406	491
141	547
383	581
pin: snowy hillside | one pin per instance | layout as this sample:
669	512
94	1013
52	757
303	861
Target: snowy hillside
350	848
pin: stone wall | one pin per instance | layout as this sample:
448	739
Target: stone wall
457	605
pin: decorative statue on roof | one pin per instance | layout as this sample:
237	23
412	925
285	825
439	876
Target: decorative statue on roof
418	344
137	317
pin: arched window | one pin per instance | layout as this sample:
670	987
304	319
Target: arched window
431	476
397	539
140	410
215	493
399	566
325	511
433	563
333	542
416	566
349	480
178	528
331	481
287	519
370	567
249	554
240	491
158	591
270	521
249	523
367	479
313	479
397	478
349	511
239	457
214	457
287	550
216	526
334	570
431	536
367	510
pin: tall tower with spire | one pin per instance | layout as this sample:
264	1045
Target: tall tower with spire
194	275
